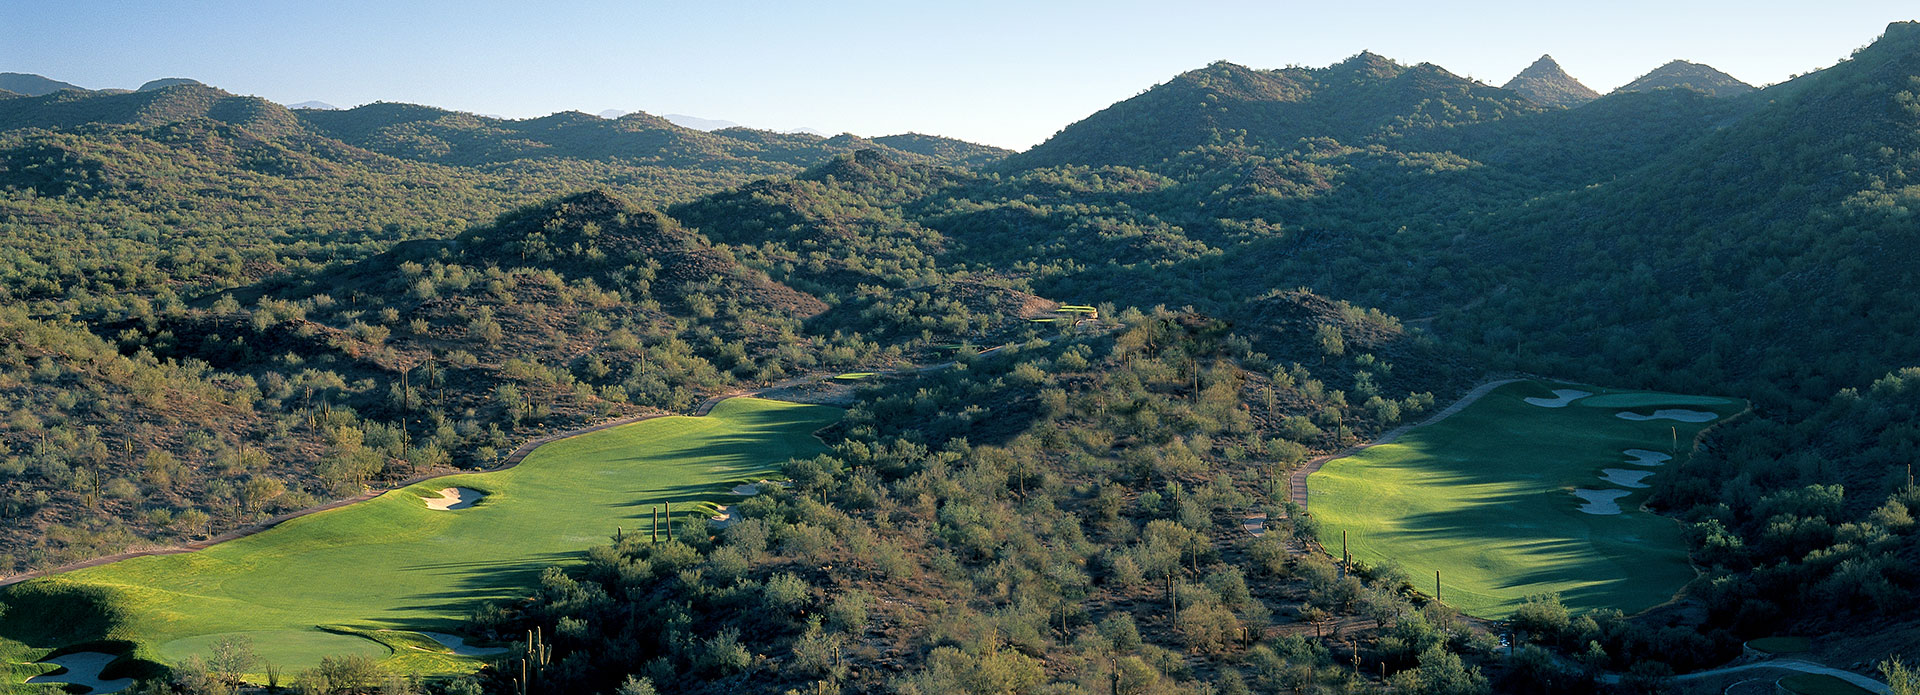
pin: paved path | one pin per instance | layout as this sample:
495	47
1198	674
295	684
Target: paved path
1783	664
1298	481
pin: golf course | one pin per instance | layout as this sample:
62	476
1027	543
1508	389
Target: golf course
377	574
1533	489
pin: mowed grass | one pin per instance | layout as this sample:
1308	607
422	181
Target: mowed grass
391	563
1820	684
1485	497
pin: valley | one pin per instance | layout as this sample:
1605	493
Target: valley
1376	377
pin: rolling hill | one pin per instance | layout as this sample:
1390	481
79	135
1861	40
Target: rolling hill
33	85
1682	74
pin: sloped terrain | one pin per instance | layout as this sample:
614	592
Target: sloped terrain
1545	83
1681	74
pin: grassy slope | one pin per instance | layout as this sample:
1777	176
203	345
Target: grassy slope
1485	497
392	563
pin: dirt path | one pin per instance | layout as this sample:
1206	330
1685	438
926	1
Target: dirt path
1297	483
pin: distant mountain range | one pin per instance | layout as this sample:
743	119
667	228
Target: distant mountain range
321	105
698	123
441	136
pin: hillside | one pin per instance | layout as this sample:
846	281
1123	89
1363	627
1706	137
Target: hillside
1546	84
1366	96
1710	223
554	315
1685	75
149	107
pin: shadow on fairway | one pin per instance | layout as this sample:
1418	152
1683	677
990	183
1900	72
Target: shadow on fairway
1485	498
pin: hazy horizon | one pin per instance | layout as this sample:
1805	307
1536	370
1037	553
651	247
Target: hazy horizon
996	73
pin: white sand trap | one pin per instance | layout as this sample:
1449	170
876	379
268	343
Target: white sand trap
452	498
724	519
1681	414
1600	502
1625	477
747	490
1648	457
459	644
83	668
1255	523
1561	397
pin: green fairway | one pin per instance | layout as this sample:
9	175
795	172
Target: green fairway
1486	497
392	563
1819	684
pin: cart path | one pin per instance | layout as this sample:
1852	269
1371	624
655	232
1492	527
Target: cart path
1783	664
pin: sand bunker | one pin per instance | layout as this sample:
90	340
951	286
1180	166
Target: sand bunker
459	644
454	498
1625	477
724	519
1648	457
747	490
1561	398
1600	502
83	668
1681	414
1255	523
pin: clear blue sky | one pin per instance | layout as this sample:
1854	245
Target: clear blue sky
1005	73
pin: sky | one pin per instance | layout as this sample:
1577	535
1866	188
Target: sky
998	72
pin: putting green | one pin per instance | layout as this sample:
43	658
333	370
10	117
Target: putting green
392	563
1486	497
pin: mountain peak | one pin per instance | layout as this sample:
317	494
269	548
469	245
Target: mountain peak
1685	75
1545	83
1368	64
1544	66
